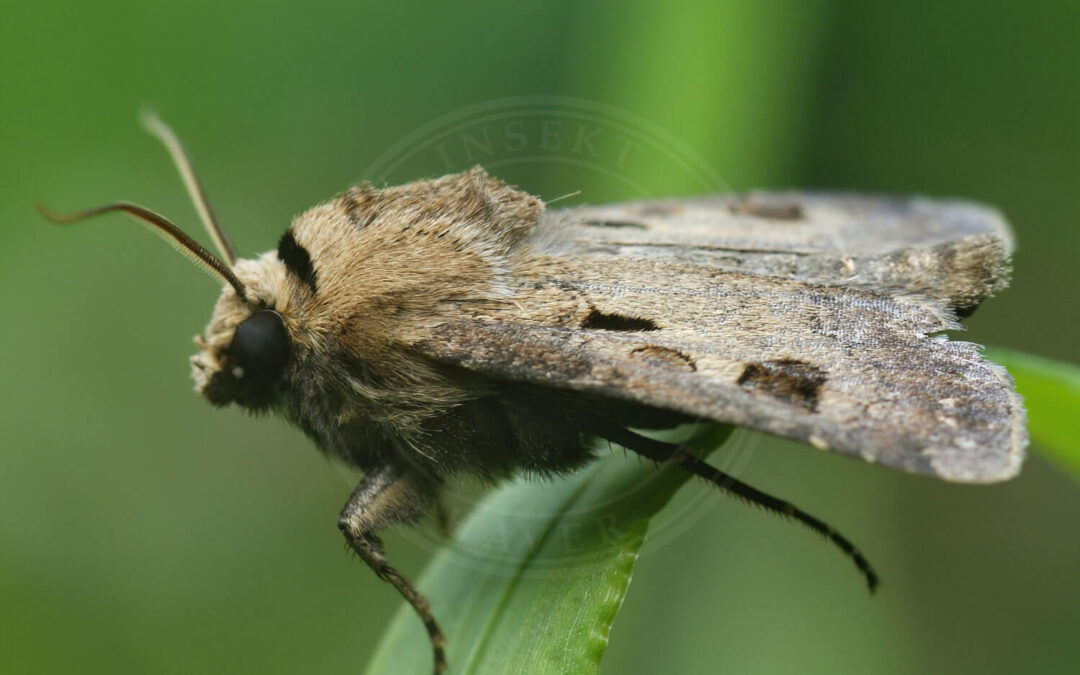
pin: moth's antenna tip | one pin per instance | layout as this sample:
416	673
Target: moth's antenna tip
50	215
150	121
148	115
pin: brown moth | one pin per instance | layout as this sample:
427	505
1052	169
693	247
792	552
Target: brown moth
456	327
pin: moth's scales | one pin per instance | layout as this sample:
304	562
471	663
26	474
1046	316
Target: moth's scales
756	316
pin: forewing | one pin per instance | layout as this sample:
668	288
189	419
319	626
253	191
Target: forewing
950	250
852	367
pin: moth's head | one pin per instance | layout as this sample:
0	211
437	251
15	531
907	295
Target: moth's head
246	347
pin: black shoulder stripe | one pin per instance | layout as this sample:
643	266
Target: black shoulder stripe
296	259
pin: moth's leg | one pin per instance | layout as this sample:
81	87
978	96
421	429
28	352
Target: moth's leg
384	497
658	451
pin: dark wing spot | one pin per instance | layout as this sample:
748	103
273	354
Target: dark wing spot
599	321
782	211
296	259
664	357
788	380
615	223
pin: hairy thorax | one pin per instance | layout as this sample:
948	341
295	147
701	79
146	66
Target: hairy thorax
360	279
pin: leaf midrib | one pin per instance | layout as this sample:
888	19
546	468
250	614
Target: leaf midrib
507	593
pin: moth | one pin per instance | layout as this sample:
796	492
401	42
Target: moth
457	327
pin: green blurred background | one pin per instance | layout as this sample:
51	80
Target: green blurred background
142	531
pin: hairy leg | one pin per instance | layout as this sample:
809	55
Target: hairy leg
384	497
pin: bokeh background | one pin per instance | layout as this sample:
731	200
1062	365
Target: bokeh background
142	531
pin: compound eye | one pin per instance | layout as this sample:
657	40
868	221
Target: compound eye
260	347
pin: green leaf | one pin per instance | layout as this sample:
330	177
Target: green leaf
535	576
1051	391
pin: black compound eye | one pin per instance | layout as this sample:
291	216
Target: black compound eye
260	347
